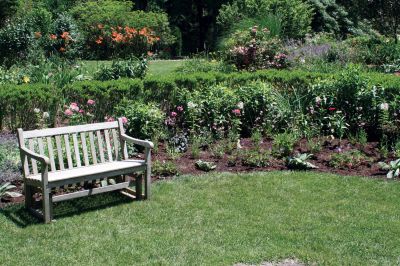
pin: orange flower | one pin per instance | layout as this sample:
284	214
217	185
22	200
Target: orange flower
65	35
100	26
38	34
117	37
143	31
62	50
130	30
114	34
53	36
99	40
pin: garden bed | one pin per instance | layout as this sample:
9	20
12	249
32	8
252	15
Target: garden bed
348	160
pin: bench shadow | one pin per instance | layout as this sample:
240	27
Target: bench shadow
23	218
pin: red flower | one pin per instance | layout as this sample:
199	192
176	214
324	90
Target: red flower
53	37
65	35
332	109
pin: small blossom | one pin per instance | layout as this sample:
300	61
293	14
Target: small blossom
124	120
179	108
46	115
332	109
318	100
38	34
236	112
191	105
36	110
53	37
68	112
384	106
91	102
81	111
26	79
240	105
110	119
174	114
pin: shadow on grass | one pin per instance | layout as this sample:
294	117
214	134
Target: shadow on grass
23	218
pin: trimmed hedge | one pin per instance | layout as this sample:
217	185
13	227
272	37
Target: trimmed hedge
17	102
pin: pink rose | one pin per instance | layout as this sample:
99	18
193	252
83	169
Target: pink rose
173	114
179	108
91	102
68	112
74	107
81	111
124	120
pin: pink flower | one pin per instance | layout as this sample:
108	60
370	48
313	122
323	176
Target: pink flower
173	114
179	108
74	107
124	120
68	112
236	112
91	102
110	119
81	111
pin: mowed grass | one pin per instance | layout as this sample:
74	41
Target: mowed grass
218	219
156	67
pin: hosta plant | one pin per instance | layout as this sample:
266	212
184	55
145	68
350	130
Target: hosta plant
299	162
5	191
393	168
205	166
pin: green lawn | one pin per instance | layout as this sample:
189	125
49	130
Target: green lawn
218	219
156	67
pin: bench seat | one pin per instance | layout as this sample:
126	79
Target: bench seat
88	172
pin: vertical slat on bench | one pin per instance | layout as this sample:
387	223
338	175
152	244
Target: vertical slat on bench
51	154
93	148
84	149
76	150
41	146
108	146
116	142
34	164
68	151
100	142
60	152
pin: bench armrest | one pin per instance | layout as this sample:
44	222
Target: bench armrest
43	159
144	143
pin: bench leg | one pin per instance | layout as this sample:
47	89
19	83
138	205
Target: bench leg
147	182
138	186
47	208
28	196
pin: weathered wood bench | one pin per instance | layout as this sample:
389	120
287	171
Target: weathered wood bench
84	156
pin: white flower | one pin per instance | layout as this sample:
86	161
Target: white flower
46	115
191	105
36	110
384	106
240	105
318	99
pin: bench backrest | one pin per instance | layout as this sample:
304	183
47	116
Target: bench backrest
73	146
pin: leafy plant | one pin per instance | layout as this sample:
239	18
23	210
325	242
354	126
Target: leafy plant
348	159
393	167
255	158
131	68
205	166
314	145
5	191
284	143
218	150
300	162
164	168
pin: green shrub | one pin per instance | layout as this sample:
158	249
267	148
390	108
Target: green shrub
144	120
164	169
132	68
284	143
348	159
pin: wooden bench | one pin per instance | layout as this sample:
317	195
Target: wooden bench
84	156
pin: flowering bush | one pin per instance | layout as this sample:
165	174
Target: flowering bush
80	114
255	49
111	42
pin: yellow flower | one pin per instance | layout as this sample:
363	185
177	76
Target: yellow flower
26	79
